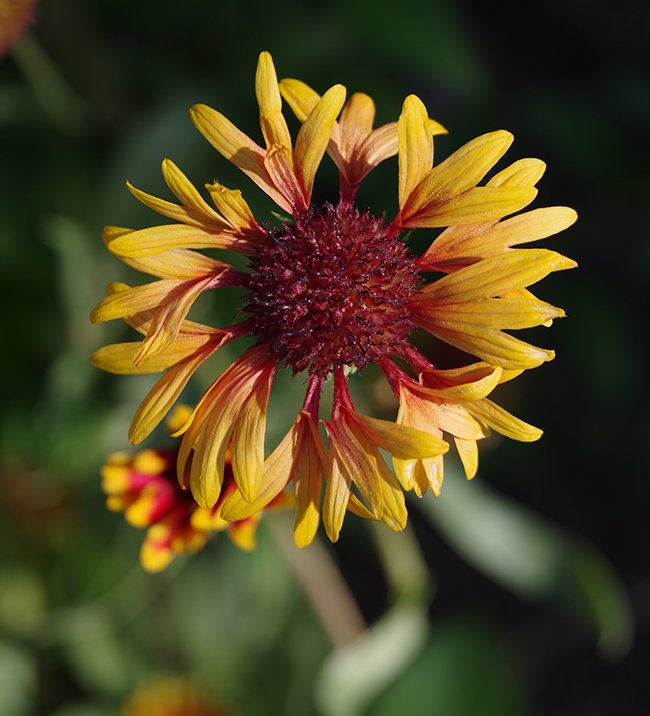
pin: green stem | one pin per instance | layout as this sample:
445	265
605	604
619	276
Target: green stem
321	581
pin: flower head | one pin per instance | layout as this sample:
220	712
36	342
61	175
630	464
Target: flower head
332	289
144	487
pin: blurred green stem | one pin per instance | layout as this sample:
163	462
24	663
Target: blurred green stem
322	583
406	570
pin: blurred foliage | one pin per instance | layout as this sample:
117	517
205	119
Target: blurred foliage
487	607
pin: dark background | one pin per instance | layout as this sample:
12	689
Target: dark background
98	93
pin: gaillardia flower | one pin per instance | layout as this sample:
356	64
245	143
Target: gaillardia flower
143	485
330	290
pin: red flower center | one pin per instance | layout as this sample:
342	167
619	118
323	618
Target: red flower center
332	289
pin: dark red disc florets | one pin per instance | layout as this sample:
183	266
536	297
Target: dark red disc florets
332	289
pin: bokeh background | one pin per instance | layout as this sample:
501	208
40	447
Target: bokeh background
524	592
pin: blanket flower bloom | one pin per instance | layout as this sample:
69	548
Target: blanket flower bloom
144	487
330	290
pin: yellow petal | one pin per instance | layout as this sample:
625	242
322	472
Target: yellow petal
455	420
279	164
400	440
249	431
277	472
308	486
511	313
381	144
393	512
435	128
482	203
471	386
468	453
430	473
119	357
244	534
155	556
524	172
211	426
456	247
273	124
415	147
161	397
490	344
169	318
314	136
356	463
299	96
463	170
337	496
503	422
155	239
495	276
178	264
188	195
133	300
167	208
232	205
239	149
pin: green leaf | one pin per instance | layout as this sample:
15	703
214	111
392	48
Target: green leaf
353	675
533	557
465	668
17	681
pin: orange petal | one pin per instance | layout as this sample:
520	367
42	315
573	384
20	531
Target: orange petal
356	123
